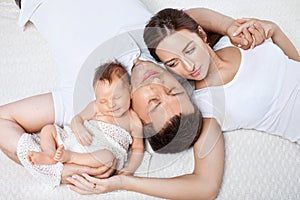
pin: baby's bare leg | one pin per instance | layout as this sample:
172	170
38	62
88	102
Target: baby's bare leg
93	159
48	146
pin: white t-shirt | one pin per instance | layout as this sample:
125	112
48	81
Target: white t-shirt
264	94
74	29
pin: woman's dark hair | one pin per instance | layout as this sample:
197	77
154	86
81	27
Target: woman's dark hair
165	23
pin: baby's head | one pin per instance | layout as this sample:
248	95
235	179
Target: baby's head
112	89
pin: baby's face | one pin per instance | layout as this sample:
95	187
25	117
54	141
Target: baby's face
113	99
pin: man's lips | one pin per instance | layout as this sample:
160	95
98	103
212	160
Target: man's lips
149	74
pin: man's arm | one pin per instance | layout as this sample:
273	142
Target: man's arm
83	136
203	183
104	171
137	147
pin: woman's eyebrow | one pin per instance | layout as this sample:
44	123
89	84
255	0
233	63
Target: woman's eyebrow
187	46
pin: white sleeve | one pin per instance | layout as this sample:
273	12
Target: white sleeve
222	43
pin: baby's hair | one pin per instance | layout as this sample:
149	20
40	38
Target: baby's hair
110	70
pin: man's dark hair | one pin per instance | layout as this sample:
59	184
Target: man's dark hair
178	134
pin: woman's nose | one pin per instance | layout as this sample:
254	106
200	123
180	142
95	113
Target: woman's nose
188	65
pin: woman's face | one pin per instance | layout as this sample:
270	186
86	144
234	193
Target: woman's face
157	95
186	54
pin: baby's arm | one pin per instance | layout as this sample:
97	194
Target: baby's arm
137	148
273	31
83	136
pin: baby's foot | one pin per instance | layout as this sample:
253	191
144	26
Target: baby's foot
40	158
61	154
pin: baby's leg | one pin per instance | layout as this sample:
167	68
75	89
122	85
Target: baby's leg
94	159
48	146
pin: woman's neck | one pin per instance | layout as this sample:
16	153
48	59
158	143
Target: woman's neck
223	67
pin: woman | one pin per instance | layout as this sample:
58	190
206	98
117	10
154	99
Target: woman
57	21
255	89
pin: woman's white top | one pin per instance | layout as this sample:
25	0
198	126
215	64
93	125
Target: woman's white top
264	94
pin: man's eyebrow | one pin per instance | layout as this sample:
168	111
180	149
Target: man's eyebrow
155	107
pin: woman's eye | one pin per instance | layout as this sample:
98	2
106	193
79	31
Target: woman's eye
171	64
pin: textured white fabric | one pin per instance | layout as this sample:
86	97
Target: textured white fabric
264	94
47	174
106	136
257	166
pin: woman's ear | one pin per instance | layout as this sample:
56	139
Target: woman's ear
202	33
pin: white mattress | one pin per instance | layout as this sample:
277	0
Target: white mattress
257	165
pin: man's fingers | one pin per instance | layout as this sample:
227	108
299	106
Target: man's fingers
107	170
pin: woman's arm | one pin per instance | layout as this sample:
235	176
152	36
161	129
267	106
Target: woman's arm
203	183
214	22
273	31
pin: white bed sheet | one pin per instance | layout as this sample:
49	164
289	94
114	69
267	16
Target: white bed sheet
257	166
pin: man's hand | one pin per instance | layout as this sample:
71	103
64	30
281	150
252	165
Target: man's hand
104	171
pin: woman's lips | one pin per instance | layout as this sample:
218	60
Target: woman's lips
195	73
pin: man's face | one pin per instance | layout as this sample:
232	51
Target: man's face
157	95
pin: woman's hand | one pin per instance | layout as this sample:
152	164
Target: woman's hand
252	34
85	184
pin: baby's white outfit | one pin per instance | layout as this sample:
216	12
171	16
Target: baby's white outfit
264	94
106	136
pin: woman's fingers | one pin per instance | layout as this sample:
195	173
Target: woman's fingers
244	23
83	185
247	35
78	190
258	34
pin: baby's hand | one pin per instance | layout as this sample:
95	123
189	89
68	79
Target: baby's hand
83	136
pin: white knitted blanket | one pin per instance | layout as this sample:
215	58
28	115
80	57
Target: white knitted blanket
257	165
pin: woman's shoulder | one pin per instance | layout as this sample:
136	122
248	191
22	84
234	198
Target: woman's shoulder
222	43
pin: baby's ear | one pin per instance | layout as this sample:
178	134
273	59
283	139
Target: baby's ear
202	33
